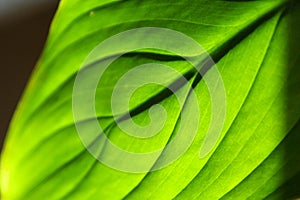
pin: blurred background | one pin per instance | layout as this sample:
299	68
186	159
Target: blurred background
24	27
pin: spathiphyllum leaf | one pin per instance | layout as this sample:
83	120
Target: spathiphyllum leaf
178	121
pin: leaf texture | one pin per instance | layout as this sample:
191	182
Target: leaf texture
256	156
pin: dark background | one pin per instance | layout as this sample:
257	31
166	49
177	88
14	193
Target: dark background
23	31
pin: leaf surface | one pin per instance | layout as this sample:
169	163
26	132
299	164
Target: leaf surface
44	156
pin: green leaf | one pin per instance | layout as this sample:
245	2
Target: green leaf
256	155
